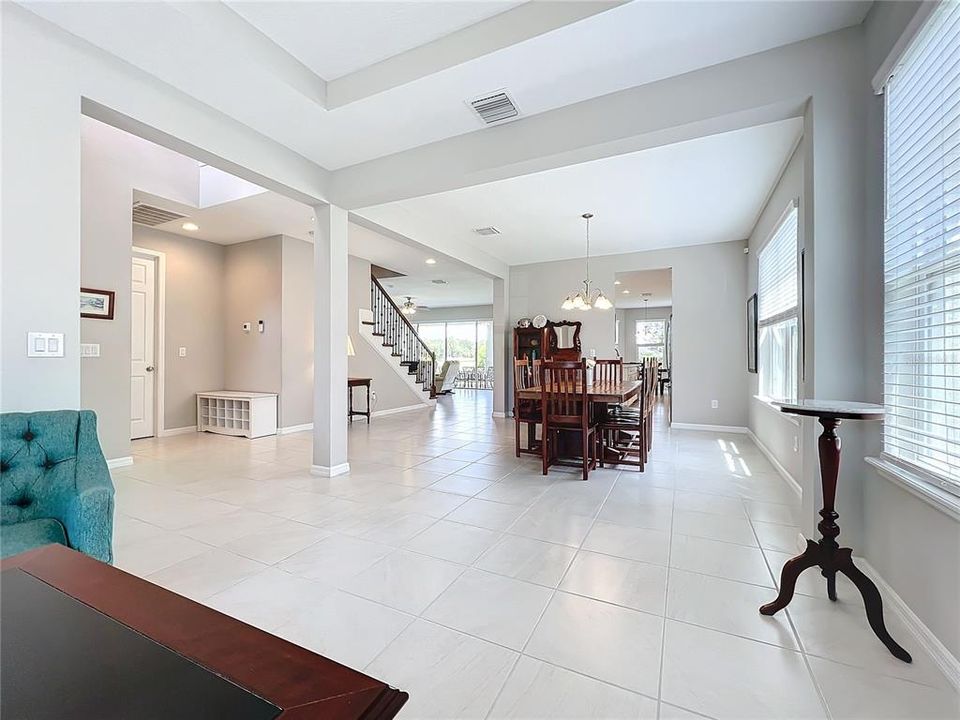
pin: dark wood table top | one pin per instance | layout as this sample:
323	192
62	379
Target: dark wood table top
358	381
300	682
607	392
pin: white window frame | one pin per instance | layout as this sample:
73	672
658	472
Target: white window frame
792	313
903	435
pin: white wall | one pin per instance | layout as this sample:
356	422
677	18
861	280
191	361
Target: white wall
452	314
709	336
46	74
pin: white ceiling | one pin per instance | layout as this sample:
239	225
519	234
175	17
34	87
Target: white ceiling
207	51
337	38
268	213
633	285
706	190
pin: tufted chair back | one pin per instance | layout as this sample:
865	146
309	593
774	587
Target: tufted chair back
51	466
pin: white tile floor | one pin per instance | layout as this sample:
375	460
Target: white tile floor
446	567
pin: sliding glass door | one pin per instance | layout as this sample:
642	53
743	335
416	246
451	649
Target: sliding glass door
468	342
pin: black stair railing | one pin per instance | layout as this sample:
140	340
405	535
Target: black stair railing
398	333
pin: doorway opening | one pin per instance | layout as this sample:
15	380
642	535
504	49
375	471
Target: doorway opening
644	325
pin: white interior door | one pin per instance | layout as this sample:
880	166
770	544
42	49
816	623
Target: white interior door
142	360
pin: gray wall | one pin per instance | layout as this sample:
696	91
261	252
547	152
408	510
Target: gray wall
195	319
897	523
709	356
112	165
252	292
391	391
296	353
777	432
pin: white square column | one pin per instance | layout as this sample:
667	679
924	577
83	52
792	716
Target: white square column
330	342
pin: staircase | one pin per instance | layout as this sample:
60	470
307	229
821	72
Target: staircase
396	333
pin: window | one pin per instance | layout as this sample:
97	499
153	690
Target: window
778	314
469	342
651	339
434	336
922	254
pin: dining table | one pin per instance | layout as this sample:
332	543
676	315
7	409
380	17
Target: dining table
599	394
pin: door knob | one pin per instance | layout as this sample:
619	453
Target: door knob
149	368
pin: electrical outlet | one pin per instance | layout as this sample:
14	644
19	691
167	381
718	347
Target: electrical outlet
796	444
182	352
714	404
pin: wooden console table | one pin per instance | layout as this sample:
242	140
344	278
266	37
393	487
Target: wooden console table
84	639
353	382
827	553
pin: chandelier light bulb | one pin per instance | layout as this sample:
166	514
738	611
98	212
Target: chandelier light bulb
567	304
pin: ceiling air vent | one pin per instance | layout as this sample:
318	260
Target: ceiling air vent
495	107
486	231
438	281
144	214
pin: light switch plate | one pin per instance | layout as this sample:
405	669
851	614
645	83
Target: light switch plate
182	352
89	350
40	344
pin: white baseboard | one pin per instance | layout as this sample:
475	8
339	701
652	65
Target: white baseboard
294	429
922	635
499	414
120	462
790	480
177	431
405	408
710	428
327	471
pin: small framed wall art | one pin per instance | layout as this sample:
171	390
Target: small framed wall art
97	304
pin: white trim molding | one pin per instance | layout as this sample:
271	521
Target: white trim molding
710	428
327	471
790	480
120	462
294	429
178	431
924	637
405	408
916	485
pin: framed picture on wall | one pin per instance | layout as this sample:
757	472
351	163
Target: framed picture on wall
752	333
97	304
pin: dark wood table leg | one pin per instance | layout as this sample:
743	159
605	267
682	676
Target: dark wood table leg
827	554
368	403
350	403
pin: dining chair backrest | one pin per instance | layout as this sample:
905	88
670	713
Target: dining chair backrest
608	371
649	384
564	391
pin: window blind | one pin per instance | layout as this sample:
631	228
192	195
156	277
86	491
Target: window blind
922	253
777	275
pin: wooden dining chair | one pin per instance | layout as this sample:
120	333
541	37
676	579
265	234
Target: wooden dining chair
525	411
628	433
565	408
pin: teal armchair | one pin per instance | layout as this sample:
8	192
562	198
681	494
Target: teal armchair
54	484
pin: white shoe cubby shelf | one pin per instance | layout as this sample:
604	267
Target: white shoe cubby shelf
230	412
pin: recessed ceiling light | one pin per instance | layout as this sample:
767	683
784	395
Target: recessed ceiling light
192	227
431	261
626	292
616	282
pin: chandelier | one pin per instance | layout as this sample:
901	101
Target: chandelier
585	299
409	307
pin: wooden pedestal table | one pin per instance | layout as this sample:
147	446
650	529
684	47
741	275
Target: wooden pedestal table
827	554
